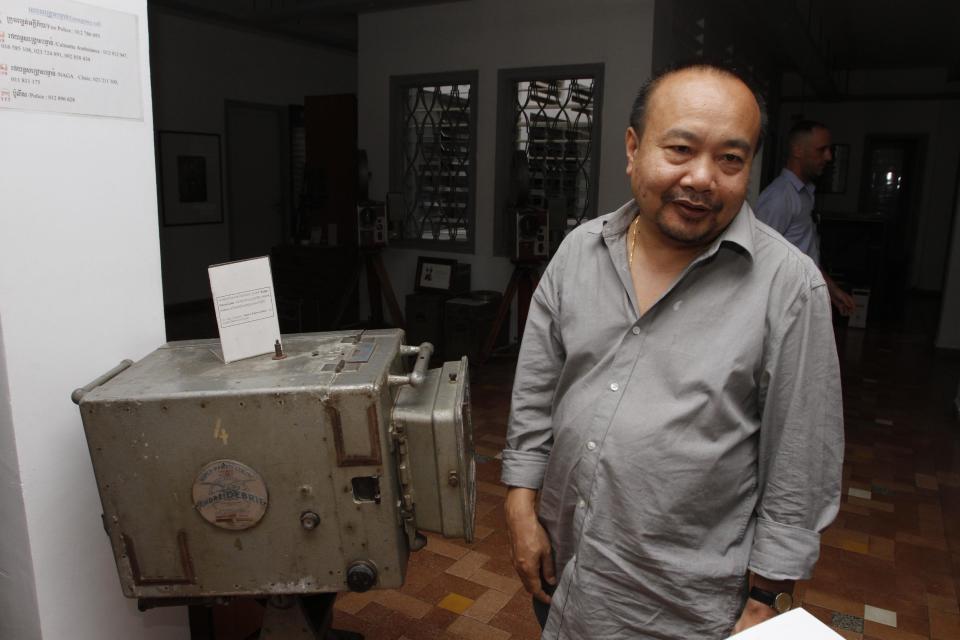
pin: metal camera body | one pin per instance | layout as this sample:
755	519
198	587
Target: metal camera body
533	235
310	473
372	225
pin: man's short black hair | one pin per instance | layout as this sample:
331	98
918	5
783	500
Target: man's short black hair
800	129
638	113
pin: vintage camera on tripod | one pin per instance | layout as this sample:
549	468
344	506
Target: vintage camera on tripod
371	224
533	235
531	240
371	214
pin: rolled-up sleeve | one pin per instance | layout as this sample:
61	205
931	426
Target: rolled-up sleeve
801	439
530	434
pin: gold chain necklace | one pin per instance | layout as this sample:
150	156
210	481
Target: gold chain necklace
632	235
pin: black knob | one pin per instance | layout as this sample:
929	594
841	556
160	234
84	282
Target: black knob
361	576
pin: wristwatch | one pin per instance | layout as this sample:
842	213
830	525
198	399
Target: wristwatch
779	602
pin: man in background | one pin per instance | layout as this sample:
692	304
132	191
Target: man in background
787	202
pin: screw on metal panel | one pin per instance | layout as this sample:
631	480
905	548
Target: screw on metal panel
309	520
453	377
453	479
278	351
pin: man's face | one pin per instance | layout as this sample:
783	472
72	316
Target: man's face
690	167
814	150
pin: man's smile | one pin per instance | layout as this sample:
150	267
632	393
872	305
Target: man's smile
694	210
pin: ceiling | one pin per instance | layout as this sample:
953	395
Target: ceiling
892	33
839	34
330	23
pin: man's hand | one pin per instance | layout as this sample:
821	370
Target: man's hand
842	300
753	614
529	544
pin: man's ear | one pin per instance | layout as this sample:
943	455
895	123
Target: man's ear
796	149
632	144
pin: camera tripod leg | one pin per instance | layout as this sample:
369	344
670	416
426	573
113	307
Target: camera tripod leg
523	282
375	260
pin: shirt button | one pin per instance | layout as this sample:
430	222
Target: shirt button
582	503
636	331
591	445
614	386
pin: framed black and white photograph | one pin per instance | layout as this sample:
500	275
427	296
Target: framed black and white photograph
190	181
434	273
834	178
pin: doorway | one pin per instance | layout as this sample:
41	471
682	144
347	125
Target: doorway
889	193
257	175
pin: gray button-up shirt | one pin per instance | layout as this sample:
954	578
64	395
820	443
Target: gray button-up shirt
787	206
676	450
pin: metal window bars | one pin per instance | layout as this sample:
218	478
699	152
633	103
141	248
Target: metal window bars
436	147
554	127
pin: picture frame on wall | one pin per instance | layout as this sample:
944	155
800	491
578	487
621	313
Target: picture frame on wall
190	176
834	178
435	274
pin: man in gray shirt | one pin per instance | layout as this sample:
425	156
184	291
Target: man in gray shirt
787	202
676	425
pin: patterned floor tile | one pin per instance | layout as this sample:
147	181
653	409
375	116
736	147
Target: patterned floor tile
475	630
487	606
877	614
944	626
467	565
456	603
848	622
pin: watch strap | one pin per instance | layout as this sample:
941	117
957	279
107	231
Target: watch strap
762	595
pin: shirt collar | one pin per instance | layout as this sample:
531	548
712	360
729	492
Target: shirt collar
739	232
797	183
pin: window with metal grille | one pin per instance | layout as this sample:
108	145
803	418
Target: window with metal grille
548	148
433	159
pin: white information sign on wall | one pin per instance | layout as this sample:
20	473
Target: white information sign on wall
246	307
69	57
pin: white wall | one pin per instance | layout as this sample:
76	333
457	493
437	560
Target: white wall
19	617
79	291
197	67
488	35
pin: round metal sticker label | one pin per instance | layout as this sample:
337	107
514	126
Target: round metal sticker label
230	495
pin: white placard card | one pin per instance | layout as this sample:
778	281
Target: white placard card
69	57
796	624
246	308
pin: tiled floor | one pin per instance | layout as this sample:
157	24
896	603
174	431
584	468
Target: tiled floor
890	564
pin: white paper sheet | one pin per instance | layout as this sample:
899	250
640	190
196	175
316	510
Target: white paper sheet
69	57
246	307
792	625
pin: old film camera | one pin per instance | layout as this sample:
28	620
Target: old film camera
279	478
372	226
539	220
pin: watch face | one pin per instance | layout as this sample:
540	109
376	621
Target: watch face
783	602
